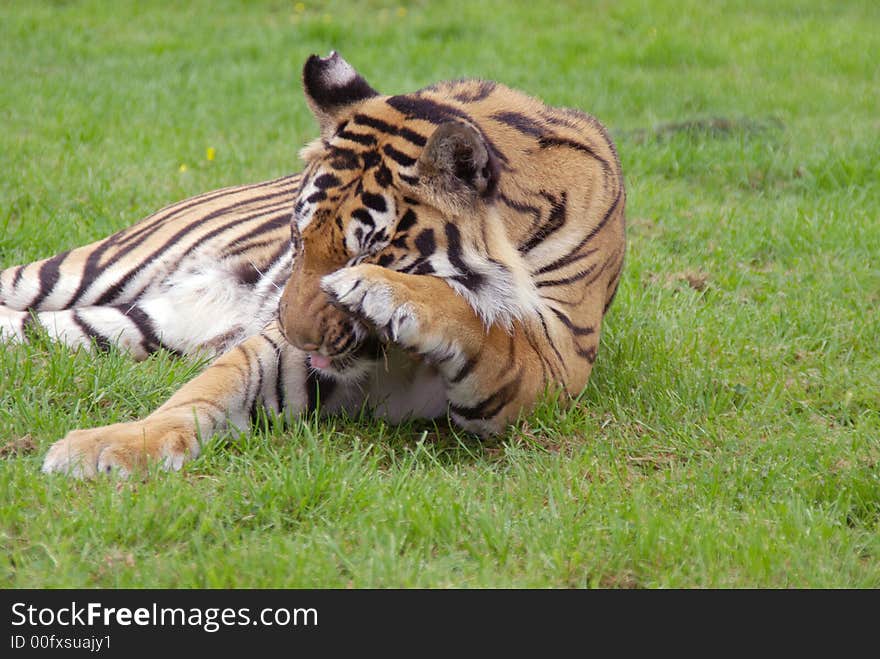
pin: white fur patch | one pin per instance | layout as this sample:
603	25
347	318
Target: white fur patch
373	299
359	233
401	388
18	296
204	306
336	72
506	295
507	292
11	323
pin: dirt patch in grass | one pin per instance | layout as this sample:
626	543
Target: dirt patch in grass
625	579
20	446
696	279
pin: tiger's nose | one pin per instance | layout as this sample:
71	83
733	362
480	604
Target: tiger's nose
301	334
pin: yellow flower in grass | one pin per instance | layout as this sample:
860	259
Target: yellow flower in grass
210	153
182	168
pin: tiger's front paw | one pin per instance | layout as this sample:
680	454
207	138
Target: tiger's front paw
123	448
368	292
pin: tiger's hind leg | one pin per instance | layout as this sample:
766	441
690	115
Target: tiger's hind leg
124	326
202	307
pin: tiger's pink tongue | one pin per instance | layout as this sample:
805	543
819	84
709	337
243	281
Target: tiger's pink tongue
319	361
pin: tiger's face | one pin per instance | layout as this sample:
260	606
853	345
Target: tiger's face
377	188
349	210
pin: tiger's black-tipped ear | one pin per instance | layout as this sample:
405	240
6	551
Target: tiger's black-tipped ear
331	84
456	164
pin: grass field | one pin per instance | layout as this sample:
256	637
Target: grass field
730	435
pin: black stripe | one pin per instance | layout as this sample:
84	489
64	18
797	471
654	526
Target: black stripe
577	330
371	159
363	215
555	221
407	221
464	371
550	340
398	156
419	107
426	243
383	176
492	404
566	280
90	332
374	201
412	136
611	299
551	141
17	278
93	270
551	118
325	181
280	395
252	414
568	259
544	361
341	158
520	207
373	122
424	268
407	134
150	341
468	278
484	88
587	353
520	122
407	269
49	274
361	138
385	260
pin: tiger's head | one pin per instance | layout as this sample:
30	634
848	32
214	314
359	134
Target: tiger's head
386	183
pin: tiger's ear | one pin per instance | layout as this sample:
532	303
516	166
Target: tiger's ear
456	165
331	85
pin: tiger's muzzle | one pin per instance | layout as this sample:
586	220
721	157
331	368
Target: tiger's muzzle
310	322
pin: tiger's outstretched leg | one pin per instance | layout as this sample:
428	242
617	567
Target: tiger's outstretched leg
195	277
263	371
127	327
491	374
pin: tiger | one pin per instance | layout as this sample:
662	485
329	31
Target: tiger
444	254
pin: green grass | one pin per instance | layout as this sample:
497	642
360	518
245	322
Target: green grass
730	435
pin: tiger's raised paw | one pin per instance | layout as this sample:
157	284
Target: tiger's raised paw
368	292
123	448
